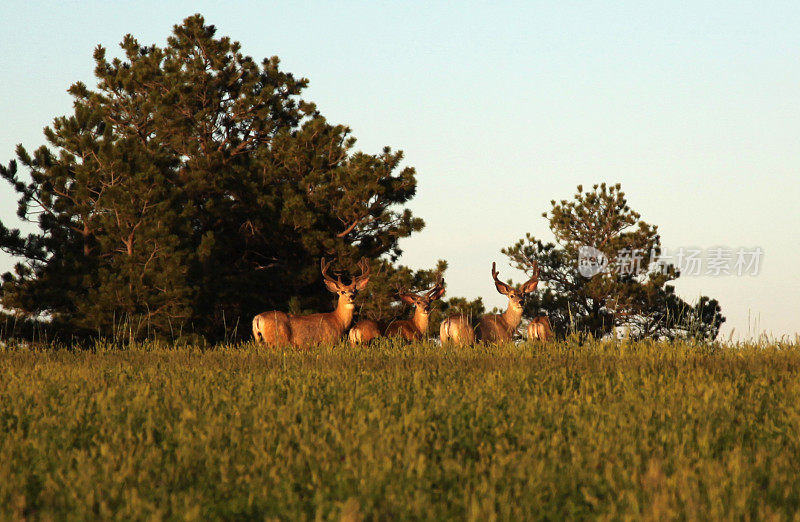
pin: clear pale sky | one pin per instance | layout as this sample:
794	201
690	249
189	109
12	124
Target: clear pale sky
693	106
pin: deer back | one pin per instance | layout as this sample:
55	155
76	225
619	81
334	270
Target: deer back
457	329
404	328
314	329
364	331
494	328
272	328
540	328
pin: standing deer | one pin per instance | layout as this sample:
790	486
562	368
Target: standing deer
539	328
280	329
416	328
492	328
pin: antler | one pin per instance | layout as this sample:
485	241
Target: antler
432	293
359	282
501	286
324	266
533	282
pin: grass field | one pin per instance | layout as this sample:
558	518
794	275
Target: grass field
603	430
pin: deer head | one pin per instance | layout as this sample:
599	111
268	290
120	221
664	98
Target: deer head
347	293
516	296
423	302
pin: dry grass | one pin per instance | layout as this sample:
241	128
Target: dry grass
603	430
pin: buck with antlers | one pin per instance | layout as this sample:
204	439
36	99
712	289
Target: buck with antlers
539	328
416	328
498	328
492	328
278	328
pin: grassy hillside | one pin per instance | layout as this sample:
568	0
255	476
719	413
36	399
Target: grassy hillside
599	430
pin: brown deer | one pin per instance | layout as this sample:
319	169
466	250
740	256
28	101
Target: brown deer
498	328
457	329
416	328
364	331
539	328
280	329
492	328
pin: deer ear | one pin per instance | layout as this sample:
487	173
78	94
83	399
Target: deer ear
438	293
407	298
502	287
332	286
361	283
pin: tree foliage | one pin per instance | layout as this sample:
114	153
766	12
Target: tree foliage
632	293
193	188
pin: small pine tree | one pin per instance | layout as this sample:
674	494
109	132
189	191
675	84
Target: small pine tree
638	297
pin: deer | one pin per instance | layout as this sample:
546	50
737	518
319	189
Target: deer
498	328
539	328
492	328
364	331
276	328
416	328
457	329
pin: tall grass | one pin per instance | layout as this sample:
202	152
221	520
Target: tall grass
597	430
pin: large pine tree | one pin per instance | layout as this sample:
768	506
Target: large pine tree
191	189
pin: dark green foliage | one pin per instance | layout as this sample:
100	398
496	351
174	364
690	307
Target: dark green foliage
639	299
671	317
192	189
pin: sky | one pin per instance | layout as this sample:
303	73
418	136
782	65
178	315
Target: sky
694	107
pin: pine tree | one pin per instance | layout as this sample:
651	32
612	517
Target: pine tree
632	293
191	189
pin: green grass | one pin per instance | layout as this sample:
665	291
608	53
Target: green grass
604	430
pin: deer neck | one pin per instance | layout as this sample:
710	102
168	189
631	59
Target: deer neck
512	316
344	312
420	320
